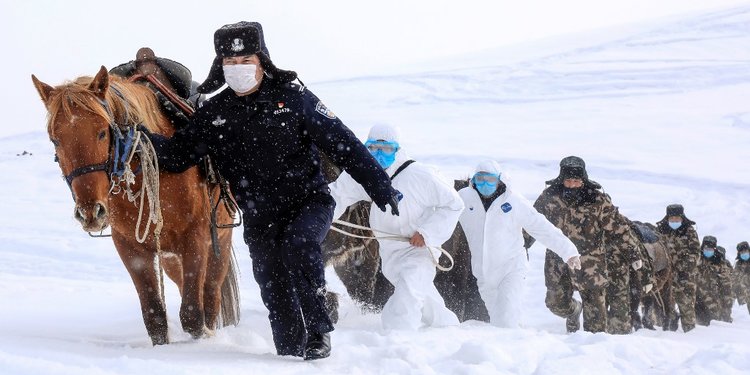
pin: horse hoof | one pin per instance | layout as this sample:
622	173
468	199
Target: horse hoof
159	340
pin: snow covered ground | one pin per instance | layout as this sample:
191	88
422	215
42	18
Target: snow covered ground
658	110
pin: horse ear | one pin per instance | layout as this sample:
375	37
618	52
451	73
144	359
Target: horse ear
45	90
100	84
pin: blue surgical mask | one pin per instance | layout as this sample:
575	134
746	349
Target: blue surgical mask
385	160
745	256
675	224
708	253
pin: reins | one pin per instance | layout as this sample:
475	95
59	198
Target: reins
389	236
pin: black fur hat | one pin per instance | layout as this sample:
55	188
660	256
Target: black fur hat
674	210
709	242
742	246
573	167
240	39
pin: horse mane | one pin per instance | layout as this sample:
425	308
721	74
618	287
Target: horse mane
138	104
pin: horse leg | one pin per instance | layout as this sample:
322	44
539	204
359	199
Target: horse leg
172	265
142	269
216	273
332	306
194	276
649	313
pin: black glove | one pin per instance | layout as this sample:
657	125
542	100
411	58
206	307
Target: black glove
393	202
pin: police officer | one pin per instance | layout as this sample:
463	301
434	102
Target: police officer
265	133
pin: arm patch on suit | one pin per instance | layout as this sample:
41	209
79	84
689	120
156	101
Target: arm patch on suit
321	108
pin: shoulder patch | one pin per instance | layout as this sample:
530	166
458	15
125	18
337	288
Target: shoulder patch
294	87
506	207
321	108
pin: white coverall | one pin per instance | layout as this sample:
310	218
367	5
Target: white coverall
498	258
429	206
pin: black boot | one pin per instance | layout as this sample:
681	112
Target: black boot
573	322
318	346
635	320
673	323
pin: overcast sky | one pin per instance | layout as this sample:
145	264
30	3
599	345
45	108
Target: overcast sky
59	40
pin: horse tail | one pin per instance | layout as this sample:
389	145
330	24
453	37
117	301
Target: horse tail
230	294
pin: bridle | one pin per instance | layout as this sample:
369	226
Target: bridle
120	142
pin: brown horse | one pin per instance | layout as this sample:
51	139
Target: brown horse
86	121
658	304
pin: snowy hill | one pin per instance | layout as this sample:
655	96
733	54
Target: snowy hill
659	111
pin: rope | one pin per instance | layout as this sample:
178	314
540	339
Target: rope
149	188
390	236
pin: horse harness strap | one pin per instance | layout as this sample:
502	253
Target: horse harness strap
104	167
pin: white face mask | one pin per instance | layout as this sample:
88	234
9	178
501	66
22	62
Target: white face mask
240	77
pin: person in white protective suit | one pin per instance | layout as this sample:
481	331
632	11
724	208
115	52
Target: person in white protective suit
429	211
493	221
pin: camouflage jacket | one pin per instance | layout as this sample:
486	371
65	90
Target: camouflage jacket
741	281
714	278
595	226
684	250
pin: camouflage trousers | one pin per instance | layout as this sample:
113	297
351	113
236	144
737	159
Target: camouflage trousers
559	298
618	300
708	307
684	295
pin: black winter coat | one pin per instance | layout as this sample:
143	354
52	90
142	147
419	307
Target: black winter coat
267	146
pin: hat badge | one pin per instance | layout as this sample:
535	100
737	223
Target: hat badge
237	45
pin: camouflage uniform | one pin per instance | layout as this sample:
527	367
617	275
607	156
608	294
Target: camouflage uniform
684	253
713	285
725	289
594	225
741	277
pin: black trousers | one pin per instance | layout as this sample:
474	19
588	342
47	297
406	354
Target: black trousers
288	267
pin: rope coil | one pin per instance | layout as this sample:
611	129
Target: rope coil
149	164
390	236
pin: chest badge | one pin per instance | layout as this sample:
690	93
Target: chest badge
219	121
281	109
506	207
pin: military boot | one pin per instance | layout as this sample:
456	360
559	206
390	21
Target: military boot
573	322
673	324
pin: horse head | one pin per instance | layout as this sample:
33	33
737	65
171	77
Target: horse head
78	127
83	117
